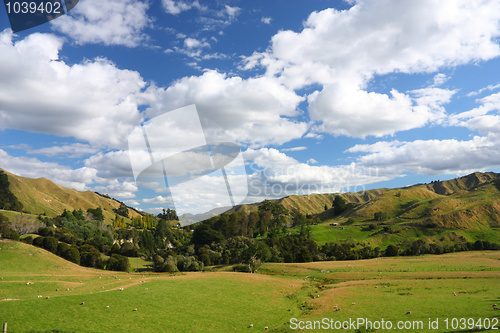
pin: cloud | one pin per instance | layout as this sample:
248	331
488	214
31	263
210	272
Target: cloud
384	37
177	7
255	111
432	157
266	20
294	148
191	43
343	51
277	175
480	91
92	101
440	79
78	179
70	151
113	22
119	189
269	158
347	110
480	119
110	165
232	12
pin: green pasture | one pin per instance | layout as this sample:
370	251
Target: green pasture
221	301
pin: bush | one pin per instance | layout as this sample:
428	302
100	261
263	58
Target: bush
7	232
187	263
27	240
90	256
380	216
130	250
117	263
68	252
241	268
391	251
168	264
50	244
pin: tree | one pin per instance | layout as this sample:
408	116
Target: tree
24	224
118	263
90	256
380	216
50	244
3	218
122	210
96	213
7	232
339	205
168	215
68	252
391	251
8	201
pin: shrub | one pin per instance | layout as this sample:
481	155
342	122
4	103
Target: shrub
241	268
27	240
90	256
391	251
168	264
68	252
380	216
117	263
50	244
45	231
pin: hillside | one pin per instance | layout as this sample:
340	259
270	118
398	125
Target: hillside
470	202
42	196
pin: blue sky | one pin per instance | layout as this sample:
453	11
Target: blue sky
320	96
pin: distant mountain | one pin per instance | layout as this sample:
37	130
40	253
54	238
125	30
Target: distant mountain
42	196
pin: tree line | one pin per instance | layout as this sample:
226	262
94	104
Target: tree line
242	239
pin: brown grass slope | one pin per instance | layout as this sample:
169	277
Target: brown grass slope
41	195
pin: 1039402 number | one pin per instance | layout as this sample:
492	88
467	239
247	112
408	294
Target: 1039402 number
25	7
470	323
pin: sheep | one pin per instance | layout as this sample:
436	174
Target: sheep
495	307
106	307
338	309
82	303
265	328
408	313
250	326
135	309
57	289
48	297
39	296
353	303
146	289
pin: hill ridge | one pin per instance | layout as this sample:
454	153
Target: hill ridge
43	196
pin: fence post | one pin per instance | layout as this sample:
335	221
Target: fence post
4	328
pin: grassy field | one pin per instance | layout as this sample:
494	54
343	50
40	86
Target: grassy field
228	302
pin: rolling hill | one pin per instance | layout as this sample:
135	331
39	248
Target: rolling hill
42	196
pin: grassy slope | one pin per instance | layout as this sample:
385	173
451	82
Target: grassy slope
471	211
192	302
223	301
44	196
